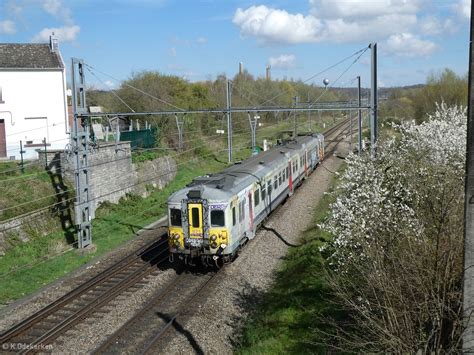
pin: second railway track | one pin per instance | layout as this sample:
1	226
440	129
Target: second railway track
46	325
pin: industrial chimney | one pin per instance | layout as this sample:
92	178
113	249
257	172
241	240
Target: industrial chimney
268	75
241	68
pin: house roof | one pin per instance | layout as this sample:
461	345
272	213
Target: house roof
29	56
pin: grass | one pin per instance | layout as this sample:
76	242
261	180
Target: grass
286	319
29	266
17	188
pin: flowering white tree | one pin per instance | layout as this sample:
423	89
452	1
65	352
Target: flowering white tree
396	256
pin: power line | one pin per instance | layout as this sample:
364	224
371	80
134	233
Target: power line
137	89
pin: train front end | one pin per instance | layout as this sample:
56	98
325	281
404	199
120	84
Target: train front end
197	228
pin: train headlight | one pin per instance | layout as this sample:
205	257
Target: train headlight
176	237
214	245
213	237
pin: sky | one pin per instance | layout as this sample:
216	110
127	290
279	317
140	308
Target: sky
200	39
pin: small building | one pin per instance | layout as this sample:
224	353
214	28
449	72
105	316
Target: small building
33	101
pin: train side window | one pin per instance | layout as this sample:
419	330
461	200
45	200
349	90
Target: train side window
217	218
175	217
195	215
269	187
287	173
264	192
275	182
243	209
233	216
256	197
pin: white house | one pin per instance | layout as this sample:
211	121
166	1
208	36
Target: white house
33	102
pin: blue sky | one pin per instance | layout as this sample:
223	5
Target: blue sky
199	39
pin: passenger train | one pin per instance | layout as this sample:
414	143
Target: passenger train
216	214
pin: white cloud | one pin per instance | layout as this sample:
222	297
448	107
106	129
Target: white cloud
463	8
64	34
409	45
172	51
201	40
283	61
342	21
7	27
110	84
276	26
362	8
57	9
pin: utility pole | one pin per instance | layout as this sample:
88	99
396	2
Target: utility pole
359	115
229	120
373	101
80	149
468	277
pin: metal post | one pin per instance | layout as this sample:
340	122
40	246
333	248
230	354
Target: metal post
350	129
117	137
373	101
45	155
309	116
295	119
80	148
229	120
22	165
180	124
359	115
253	128
468	276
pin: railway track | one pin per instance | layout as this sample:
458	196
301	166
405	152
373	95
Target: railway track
166	312
146	330
43	327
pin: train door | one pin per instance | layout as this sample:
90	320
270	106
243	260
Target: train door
196	229
305	157
290	178
250	215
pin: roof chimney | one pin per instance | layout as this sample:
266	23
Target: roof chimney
53	43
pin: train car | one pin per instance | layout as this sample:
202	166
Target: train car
216	214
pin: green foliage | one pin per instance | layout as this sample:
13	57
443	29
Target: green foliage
417	101
288	320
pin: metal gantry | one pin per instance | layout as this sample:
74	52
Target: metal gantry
80	148
253	129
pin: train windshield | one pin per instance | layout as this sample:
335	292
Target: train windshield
217	218
175	217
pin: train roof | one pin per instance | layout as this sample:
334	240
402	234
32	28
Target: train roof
230	181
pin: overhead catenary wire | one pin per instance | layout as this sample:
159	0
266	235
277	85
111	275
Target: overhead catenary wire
112	91
35	214
31	213
62	169
136	89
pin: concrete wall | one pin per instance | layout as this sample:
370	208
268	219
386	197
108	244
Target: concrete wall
34	108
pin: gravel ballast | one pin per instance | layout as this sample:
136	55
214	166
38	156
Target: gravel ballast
215	321
215	324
